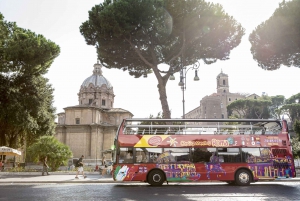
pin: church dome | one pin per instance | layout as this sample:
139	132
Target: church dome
97	79
96	90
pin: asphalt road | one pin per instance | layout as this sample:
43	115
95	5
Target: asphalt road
143	192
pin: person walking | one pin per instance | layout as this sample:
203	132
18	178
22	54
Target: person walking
80	167
45	166
1	166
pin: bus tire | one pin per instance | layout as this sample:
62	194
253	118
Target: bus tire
243	177
156	178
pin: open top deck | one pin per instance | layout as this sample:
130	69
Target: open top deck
203	126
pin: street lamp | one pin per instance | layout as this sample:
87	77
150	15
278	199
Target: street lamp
182	82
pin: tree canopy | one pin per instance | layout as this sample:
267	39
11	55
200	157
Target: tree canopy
26	97
137	36
292	107
276	41
57	153
250	108
277	102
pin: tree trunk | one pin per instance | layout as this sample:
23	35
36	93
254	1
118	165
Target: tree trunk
163	100
162	82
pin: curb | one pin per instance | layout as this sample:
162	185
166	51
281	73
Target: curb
55	182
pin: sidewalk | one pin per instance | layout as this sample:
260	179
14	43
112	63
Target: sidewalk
54	177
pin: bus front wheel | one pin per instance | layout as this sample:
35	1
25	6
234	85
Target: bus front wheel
242	177
156	178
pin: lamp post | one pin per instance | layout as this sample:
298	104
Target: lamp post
297	101
182	82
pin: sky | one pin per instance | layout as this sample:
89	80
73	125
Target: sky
59	21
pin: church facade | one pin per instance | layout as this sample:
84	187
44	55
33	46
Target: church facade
89	128
215	105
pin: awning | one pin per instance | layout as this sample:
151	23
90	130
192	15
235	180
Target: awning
9	151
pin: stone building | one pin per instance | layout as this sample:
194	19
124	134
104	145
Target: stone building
215	105
90	127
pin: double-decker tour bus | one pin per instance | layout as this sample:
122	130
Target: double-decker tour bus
236	151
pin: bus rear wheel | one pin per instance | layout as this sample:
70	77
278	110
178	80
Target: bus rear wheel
242	177
156	178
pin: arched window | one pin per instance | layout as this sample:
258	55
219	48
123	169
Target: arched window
229	99
224	83
224	91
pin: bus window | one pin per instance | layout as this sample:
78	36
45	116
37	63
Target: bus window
141	155
179	154
126	155
256	155
154	153
202	155
229	155
147	155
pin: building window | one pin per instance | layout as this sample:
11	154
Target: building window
254	97
222	116
77	120
111	105
103	102
229	99
224	82
224	91
90	101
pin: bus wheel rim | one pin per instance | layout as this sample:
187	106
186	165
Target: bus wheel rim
156	178
244	177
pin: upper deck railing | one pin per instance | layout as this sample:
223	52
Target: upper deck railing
202	126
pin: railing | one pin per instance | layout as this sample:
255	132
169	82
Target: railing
201	126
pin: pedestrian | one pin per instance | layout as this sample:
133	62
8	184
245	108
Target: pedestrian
80	167
1	165
45	166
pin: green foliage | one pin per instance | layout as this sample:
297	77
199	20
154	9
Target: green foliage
277	102
296	127
26	97
137	36
23	51
292	107
57	153
250	108
295	141
276	41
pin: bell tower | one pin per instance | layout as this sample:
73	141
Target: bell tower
222	83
